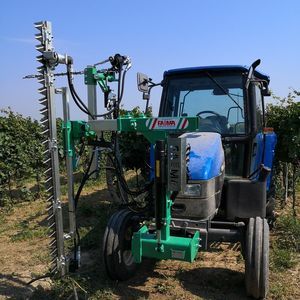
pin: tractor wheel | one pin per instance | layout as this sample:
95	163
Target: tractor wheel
118	259
257	258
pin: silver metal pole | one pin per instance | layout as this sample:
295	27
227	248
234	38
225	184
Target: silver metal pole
69	163
92	106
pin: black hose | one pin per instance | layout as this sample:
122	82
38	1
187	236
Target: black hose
75	96
123	182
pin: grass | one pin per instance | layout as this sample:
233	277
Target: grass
27	231
286	243
212	275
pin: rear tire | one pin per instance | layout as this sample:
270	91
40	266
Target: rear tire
257	258
118	259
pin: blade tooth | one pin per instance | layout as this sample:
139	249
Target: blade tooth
50	207
52	242
40	58
53	249
53	252
44	120
53	270
46	152
40	48
42	90
43	101
53	261
39	37
48	185
50	217
49	189
50	199
42	81
43	110
45	142
48	179
51	234
50	226
48	170
47	160
39	24
41	69
45	115
45	131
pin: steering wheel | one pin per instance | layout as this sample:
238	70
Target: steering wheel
208	112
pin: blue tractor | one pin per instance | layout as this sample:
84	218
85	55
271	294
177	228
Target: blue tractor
219	174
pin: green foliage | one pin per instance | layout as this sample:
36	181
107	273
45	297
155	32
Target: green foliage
20	149
134	148
284	117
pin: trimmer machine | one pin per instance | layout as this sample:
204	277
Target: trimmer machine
210	163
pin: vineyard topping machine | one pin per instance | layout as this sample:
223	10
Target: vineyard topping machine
210	163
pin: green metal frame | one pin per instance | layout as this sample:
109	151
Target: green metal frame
92	76
144	243
144	125
75	132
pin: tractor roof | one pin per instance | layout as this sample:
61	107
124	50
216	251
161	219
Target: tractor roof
234	68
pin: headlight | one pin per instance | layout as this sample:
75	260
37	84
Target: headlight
193	190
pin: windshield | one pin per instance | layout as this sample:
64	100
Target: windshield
217	100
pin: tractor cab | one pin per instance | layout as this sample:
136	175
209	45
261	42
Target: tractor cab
219	96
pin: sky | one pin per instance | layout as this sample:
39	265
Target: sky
157	35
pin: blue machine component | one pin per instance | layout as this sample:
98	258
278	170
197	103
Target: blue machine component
264	153
206	155
270	144
226	68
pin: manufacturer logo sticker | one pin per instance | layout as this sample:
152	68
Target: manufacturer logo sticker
167	123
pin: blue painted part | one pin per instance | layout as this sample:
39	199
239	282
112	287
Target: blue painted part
270	144
257	154
269	153
152	162
206	156
238	68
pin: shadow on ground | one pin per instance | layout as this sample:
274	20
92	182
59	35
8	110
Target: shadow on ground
213	283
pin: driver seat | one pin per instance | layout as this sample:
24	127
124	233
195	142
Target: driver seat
214	124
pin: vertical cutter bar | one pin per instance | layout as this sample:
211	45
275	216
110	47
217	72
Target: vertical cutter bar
51	153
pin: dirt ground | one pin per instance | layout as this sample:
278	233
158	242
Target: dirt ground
218	274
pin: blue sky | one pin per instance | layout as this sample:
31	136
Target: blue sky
157	35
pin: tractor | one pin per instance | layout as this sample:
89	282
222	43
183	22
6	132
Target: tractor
210	163
211	183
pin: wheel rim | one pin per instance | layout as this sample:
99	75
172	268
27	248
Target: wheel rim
127	254
128	258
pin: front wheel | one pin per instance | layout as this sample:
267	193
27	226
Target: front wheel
257	258
118	259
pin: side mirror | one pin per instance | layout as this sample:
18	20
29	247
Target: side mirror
265	90
142	82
